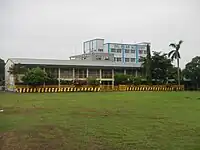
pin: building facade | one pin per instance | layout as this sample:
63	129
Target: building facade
126	53
96	49
70	70
100	61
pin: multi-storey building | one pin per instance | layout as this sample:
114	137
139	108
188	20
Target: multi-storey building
126	53
100	61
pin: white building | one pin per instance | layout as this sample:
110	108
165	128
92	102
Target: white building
125	53
100	61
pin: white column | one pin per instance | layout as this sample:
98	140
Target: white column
100	75
113	75
44	82
59	77
136	73
124	71
87	73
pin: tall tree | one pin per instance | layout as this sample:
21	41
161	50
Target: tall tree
175	54
2	71
160	66
192	71
149	65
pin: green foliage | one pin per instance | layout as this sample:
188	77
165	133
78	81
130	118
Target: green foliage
93	81
148	65
51	79
79	82
121	79
17	69
175	54
35	76
2	70
159	69
66	82
137	80
192	71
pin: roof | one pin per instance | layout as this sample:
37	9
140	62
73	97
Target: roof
142	43
30	61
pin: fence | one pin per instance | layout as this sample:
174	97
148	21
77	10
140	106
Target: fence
55	89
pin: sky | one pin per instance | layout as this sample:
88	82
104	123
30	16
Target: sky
57	28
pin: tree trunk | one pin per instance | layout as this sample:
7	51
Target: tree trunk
178	71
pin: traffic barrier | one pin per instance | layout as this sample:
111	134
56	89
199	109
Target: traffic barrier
98	89
56	90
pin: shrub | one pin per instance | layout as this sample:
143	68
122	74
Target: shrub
93	81
35	76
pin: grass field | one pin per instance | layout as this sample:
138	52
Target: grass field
100	121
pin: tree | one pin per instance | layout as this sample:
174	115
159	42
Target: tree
160	66
51	79
35	76
174	54
17	69
2	70
192	71
148	65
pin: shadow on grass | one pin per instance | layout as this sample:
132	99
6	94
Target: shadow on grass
49	137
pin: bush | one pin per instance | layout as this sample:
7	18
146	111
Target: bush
137	80
93	81
66	82
80	82
35	76
121	79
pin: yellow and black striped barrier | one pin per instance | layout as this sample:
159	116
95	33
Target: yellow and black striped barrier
97	89
56	90
154	88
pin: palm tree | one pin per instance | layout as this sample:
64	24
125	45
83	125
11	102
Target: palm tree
174	54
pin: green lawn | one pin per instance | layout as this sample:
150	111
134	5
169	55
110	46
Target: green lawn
100	121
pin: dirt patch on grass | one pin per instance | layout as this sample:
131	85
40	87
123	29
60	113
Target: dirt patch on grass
90	112
21	110
48	137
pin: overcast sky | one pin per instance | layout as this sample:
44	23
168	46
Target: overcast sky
57	28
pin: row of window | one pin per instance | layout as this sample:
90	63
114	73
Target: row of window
125	46
119	59
127	51
128	46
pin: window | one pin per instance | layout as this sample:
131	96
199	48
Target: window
119	50
98	58
140	59
126	59
119	59
140	51
127	51
132	59
133	51
100	50
127	46
113	50
145	52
